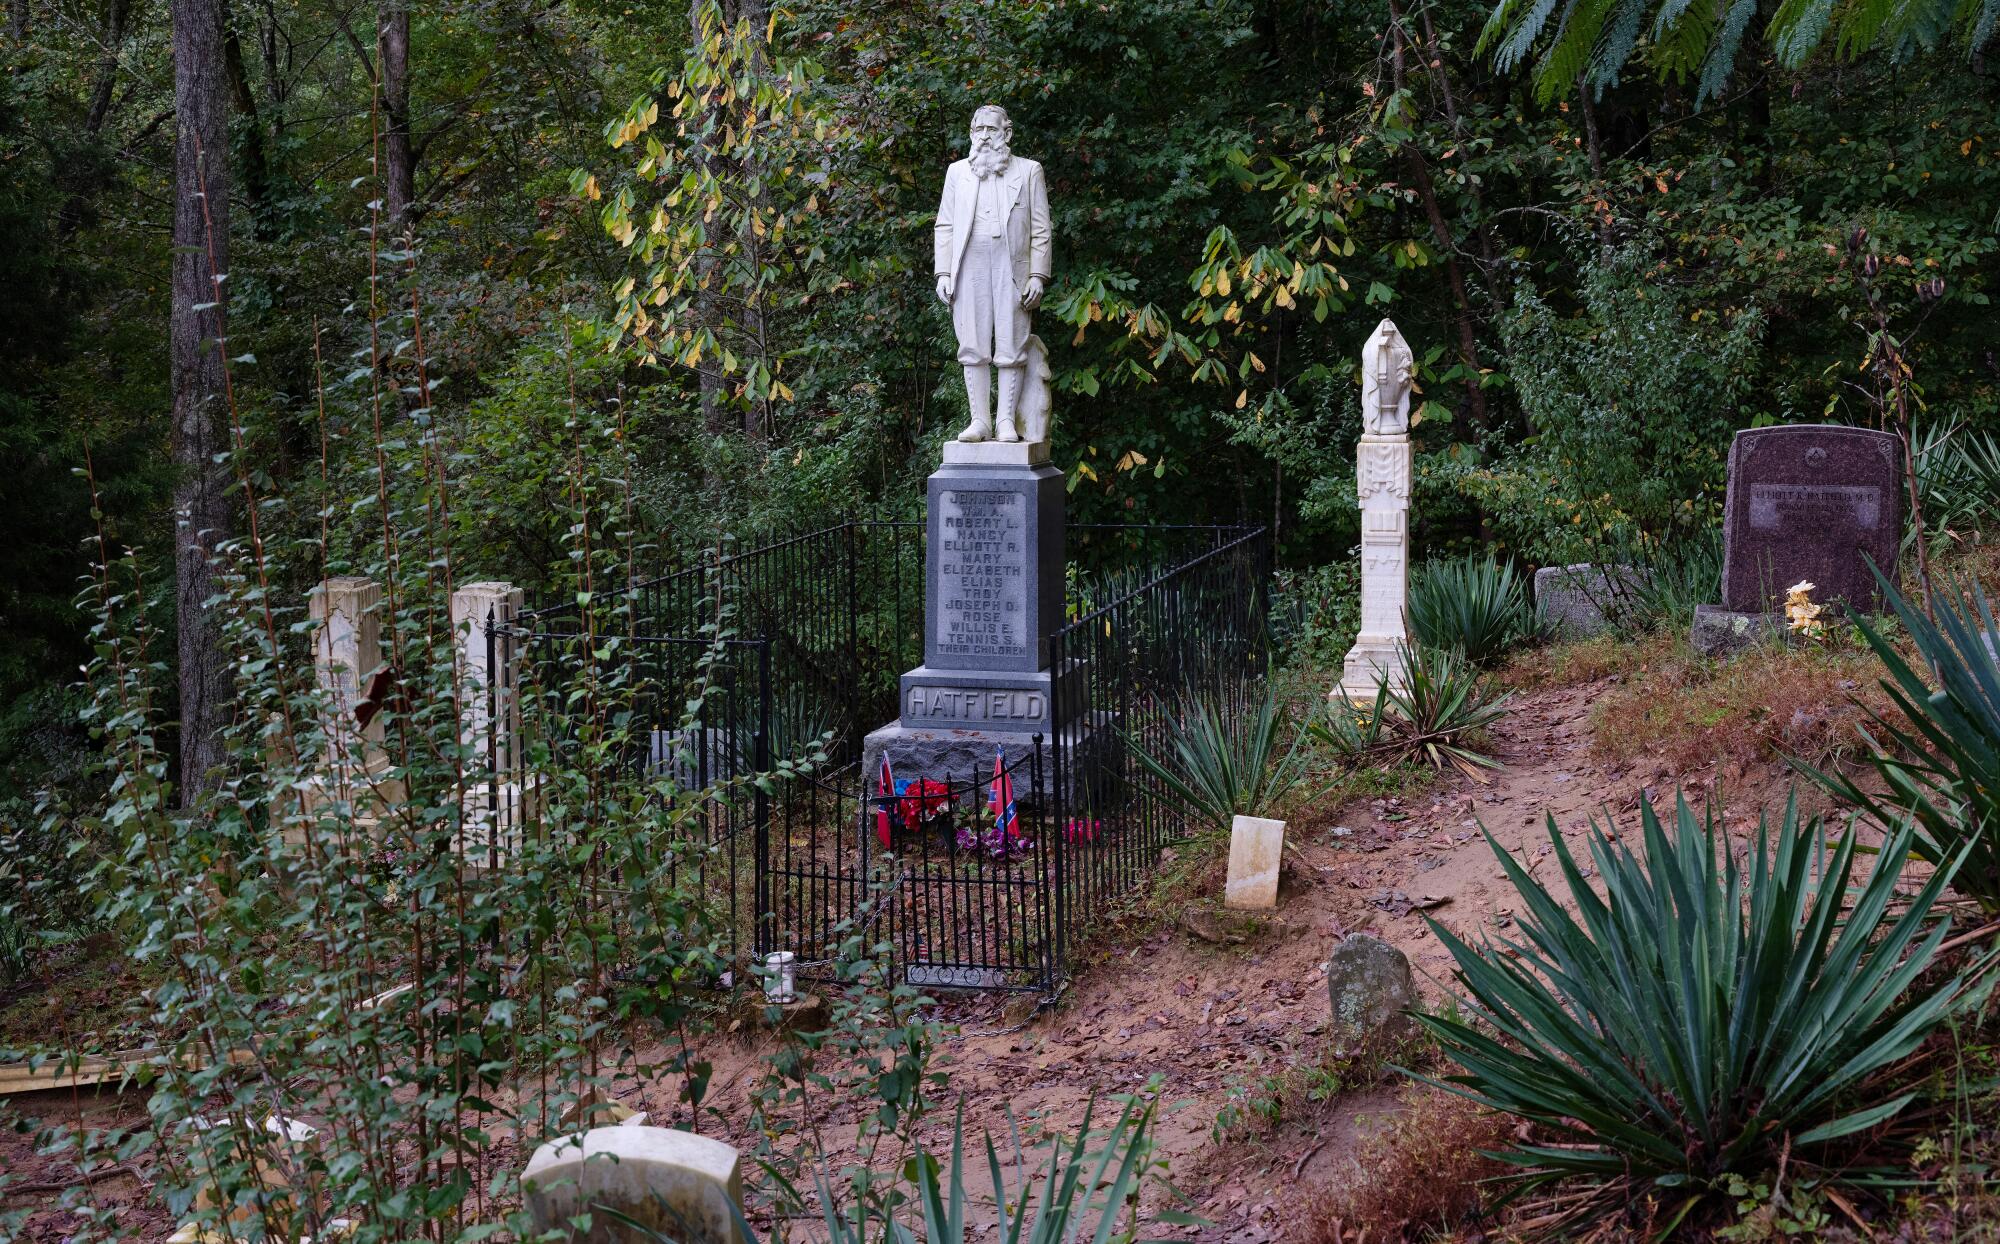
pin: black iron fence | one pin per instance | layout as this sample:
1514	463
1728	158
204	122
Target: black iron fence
793	649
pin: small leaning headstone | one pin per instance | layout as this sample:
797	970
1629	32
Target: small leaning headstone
680	1186
1587	598
1256	847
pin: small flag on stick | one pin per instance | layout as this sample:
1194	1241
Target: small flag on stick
886	790
1002	802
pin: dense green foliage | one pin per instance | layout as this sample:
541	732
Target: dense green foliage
1600	289
1705	1014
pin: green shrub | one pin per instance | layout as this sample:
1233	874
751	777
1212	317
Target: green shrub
1437	718
1943	766
1315	613
1632	399
1704	1017
1475	604
1219	766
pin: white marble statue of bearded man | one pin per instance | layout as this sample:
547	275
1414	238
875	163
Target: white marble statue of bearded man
991	251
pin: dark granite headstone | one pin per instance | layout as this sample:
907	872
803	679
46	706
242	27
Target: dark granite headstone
1807	502
994	577
993	594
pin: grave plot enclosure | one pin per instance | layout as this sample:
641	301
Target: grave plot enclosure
981	871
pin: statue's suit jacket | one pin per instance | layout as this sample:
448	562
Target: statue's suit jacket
1026	197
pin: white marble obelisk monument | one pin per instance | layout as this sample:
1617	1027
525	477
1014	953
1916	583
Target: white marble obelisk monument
1382	485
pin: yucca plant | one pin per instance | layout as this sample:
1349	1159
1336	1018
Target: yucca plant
1219	765
1943	766
1675	579
1080	1194
1958	479
1705	1016
1437	717
1475	604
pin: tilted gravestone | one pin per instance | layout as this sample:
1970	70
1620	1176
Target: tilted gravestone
1810	503
678	1185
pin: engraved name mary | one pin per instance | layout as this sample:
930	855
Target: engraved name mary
982	561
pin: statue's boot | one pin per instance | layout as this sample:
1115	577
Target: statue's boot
1010	403
979	400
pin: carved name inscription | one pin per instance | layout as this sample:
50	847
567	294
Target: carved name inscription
974	704
1807	506
982	560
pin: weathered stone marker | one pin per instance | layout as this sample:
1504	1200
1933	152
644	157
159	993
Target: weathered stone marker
1806	503
685	1187
347	652
1369	985
1256	848
1587	598
1382	463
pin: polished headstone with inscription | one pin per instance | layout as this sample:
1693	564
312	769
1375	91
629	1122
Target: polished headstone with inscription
993	594
1810	502
993	580
993	583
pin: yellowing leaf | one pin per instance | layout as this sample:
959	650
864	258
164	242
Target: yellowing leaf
1242	399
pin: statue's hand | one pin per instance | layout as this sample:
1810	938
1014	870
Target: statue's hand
944	288
1031	295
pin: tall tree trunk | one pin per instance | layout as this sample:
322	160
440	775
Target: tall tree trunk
107	64
17	20
202	518
1593	149
399	178
1497	285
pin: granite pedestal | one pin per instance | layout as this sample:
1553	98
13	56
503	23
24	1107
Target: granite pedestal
993	594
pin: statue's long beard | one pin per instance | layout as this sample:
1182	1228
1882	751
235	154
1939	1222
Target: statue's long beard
989	158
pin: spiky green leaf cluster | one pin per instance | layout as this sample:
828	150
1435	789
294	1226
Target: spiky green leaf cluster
1701	1013
1942	767
1588	43
1475	604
